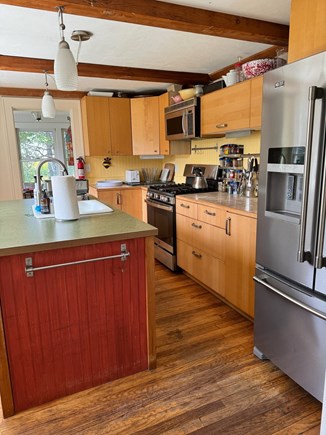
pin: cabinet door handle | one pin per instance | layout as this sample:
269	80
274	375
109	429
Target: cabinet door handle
221	125
184	205
228	226
210	213
196	254
196	226
119	199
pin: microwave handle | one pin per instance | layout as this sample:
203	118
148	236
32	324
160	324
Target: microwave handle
183	124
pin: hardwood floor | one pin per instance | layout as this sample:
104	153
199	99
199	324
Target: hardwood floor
207	381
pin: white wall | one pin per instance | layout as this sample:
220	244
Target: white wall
10	179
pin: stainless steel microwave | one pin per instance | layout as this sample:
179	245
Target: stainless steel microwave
182	120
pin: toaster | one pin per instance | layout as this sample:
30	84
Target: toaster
132	176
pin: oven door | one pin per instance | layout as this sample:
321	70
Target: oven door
162	216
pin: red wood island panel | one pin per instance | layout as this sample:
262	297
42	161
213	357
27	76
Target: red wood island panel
71	328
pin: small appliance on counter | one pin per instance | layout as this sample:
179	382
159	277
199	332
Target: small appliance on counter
132	176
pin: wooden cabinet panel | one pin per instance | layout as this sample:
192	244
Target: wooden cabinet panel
144	205
240	261
131	202
120	126
96	120
256	102
127	200
307	28
202	266
106	126
145	125
164	144
226	109
212	215
208	238
186	208
72	328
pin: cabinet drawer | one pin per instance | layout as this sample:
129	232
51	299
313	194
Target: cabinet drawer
202	266
186	208
207	238
211	215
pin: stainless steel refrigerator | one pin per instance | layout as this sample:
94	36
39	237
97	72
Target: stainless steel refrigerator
290	289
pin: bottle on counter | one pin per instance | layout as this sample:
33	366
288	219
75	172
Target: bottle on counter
45	203
238	70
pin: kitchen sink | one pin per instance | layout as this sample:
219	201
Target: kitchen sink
86	207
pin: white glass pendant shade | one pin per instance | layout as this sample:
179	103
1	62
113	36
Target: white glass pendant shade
48	107
65	68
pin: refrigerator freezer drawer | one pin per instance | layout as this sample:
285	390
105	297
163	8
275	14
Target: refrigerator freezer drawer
290	331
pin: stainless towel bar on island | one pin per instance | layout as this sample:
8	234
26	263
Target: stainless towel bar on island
29	269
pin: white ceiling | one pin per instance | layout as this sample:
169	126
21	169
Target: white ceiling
35	33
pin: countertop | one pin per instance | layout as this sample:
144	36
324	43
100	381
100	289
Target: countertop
242	204
20	232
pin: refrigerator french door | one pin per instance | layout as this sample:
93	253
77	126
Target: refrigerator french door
291	250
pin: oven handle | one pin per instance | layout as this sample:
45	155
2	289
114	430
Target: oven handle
168	208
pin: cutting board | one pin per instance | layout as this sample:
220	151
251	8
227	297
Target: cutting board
171	168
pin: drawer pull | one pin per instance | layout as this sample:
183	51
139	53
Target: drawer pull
221	125
210	213
196	226
196	254
184	205
228	226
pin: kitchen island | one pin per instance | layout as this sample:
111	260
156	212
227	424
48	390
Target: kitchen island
77	303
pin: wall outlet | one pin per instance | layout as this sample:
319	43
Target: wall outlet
88	167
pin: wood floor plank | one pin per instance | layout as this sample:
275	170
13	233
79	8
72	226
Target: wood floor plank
207	380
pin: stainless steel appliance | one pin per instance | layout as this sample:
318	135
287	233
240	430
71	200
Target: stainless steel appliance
161	211
290	296
182	120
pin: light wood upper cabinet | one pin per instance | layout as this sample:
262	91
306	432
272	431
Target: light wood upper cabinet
226	110
106	126
307	28
120	126
256	101
145	126
240	258
96	119
163	101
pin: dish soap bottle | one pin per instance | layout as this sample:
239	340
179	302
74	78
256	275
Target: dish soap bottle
45	203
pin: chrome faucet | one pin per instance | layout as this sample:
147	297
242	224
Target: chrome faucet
38	176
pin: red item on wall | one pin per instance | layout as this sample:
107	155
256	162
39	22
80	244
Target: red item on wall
80	168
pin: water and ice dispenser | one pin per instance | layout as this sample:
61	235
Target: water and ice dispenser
285	182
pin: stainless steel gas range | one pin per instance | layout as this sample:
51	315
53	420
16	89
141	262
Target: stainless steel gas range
161	211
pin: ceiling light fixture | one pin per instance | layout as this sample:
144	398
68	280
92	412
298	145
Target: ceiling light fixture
48	107
65	68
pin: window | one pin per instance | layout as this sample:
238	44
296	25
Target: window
39	140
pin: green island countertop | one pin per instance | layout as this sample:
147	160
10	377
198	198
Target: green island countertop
21	232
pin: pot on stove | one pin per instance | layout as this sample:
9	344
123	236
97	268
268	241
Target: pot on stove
199	181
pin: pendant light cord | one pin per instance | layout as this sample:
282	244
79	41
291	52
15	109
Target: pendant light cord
61	24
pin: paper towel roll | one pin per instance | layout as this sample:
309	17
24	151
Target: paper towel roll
65	197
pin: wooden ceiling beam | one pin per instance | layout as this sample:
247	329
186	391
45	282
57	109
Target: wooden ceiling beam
268	53
26	64
169	16
27	92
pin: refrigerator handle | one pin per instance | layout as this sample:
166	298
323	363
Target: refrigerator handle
262	280
314	94
320	261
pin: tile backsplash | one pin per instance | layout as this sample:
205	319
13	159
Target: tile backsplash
120	164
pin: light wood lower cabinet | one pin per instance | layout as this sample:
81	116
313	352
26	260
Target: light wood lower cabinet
127	200
240	261
218	248
200	245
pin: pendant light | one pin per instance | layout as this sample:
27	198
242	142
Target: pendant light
48	107
65	68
